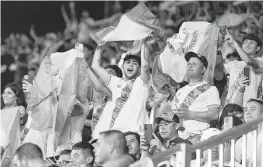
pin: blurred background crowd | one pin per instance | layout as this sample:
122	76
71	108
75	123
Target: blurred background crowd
21	53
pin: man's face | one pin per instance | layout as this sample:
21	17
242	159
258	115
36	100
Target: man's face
18	163
253	111
64	160
130	68
79	157
159	98
195	67
101	151
133	144
167	129
250	46
111	71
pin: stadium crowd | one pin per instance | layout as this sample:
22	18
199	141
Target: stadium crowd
121	98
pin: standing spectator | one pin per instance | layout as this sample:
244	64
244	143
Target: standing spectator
196	103
127	91
82	155
248	52
111	150
29	155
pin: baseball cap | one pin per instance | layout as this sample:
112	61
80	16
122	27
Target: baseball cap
165	113
132	57
202	58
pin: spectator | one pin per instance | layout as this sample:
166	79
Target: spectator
231	110
82	155
111	150
29	155
127	91
133	143
168	124
64	158
248	53
4	142
253	112
196	103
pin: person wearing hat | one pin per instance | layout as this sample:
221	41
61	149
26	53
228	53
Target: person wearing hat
196	103
250	68
129	93
168	124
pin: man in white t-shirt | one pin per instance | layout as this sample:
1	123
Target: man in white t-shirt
196	103
129	94
248	52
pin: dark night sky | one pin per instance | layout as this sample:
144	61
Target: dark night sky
17	16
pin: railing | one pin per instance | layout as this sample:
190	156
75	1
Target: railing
255	127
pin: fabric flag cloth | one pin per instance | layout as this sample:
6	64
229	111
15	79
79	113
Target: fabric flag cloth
198	37
59	93
231	19
10	121
133	27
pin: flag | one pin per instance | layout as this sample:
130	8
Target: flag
133	27
59	93
10	121
231	19
199	37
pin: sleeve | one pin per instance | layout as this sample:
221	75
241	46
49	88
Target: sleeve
213	99
145	84
112	83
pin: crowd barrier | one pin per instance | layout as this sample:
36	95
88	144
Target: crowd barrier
250	128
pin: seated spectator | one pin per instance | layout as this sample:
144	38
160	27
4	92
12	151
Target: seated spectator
29	155
111	150
64	158
168	124
231	110
82	155
196	103
133	143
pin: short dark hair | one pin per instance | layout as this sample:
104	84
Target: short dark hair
116	69
253	37
85	146
255	100
65	152
29	150
137	58
137	136
117	138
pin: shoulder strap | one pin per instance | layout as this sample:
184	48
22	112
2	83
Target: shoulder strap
190	98
125	94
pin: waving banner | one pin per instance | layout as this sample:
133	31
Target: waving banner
59	94
10	122
199	37
134	26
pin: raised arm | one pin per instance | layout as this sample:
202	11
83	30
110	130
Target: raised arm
145	70
96	66
243	55
96	83
64	14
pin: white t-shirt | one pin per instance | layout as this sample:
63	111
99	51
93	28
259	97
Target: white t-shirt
209	98
104	120
235	70
133	113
